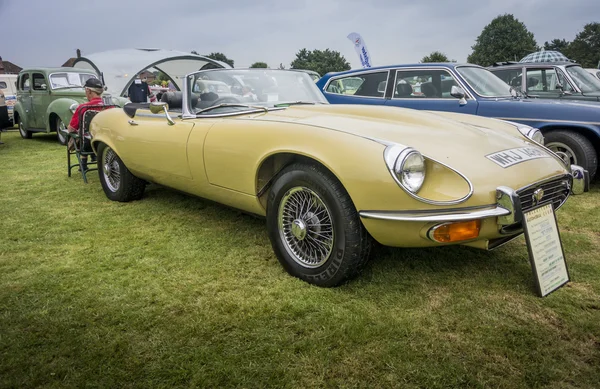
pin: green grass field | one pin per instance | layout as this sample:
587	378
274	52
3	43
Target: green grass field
177	292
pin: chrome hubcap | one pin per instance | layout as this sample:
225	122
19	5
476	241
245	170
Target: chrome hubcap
111	170
305	227
61	129
565	152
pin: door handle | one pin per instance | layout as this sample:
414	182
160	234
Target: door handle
132	122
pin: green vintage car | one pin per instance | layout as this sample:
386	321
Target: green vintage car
47	98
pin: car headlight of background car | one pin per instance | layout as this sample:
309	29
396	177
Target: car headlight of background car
529	132
532	133
407	166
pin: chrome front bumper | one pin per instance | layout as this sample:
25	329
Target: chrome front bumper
507	209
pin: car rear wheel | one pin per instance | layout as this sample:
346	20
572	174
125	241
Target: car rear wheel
574	147
314	228
61	131
117	181
24	133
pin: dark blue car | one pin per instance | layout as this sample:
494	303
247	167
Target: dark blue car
572	129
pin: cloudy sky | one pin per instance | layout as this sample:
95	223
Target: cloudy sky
47	33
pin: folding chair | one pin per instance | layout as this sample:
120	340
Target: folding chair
82	142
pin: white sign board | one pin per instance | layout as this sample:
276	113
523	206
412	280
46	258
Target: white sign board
545	249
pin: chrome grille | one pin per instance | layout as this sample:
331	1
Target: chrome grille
556	189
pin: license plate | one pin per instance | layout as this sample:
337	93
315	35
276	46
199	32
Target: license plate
507	158
545	248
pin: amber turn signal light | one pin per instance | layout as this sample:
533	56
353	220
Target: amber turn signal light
456	231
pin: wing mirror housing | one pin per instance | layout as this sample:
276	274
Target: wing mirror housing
562	89
459	93
157	107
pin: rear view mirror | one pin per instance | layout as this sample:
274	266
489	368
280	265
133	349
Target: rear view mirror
157	106
459	93
161	106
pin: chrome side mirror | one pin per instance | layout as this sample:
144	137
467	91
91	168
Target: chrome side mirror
160	106
459	93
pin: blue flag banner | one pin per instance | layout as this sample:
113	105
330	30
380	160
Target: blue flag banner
361	49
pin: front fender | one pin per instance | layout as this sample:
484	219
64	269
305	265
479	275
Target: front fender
19	110
60	107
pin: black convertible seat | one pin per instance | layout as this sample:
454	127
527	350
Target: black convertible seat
131	108
175	99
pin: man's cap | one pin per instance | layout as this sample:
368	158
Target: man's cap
93	83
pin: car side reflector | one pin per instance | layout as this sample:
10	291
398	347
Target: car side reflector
455	231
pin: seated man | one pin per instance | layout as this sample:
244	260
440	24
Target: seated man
93	91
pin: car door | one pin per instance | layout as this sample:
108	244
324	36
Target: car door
40	98
25	99
358	88
149	144
428	89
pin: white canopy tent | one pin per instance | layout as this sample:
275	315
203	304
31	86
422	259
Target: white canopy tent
119	68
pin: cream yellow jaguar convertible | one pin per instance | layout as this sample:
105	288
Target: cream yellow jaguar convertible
330	178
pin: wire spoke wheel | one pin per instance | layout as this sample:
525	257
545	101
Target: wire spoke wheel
306	227
111	169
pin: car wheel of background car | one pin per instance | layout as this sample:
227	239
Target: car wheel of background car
60	131
24	133
314	227
576	146
117	181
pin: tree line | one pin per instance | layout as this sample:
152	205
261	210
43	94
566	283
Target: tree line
505	38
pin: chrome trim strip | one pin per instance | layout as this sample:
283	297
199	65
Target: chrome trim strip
550	121
387	77
449	70
442	215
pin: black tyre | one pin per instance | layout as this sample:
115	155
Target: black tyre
574	146
117	181
314	228
24	133
61	130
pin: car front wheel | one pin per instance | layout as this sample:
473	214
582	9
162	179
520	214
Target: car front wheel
575	148
314	228
61	131
24	133
117	181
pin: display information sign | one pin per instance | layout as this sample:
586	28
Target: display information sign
545	249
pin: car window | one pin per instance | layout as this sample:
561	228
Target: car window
38	81
584	80
541	80
423	83
369	85
563	81
3	85
24	83
510	76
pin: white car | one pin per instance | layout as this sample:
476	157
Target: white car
8	93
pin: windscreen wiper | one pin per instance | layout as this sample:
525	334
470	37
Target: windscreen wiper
298	102
231	105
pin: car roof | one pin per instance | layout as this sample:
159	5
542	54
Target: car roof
415	65
510	64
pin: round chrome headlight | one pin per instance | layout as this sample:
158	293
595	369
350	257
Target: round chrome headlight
73	107
410	170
